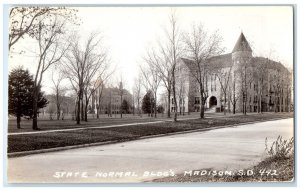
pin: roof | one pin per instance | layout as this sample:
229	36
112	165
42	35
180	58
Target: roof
256	61
242	44
225	60
221	61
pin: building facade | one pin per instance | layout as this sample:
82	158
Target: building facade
237	81
108	100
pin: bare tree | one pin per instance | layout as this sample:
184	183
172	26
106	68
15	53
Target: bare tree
262	77
182	78
133	102
152	80
96	85
137	92
244	87
82	64
200	46
59	92
279	80
223	74
100	94
26	20
160	62
172	51
51	49
235	93
246	72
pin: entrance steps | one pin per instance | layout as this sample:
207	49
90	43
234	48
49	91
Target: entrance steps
211	110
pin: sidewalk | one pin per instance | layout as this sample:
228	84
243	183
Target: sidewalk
74	138
155	120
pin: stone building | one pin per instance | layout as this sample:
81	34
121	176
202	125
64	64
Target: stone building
236	81
110	100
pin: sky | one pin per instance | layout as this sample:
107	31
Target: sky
129	31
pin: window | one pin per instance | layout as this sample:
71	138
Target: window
215	82
197	100
211	83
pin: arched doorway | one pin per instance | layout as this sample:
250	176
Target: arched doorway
212	101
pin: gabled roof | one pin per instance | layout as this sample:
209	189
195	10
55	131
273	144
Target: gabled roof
225	60
221	61
242	44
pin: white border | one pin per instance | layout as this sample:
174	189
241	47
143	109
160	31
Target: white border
94	2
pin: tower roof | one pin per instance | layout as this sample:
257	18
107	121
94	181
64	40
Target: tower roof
242	44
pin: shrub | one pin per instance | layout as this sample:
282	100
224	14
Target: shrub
280	149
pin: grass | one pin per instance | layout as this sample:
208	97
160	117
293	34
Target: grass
278	166
29	142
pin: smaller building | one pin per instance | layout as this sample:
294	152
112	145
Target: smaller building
107	100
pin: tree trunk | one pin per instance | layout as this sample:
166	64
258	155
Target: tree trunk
234	105
175	102
121	109
202	111
151	108
82	111
18	121
202	107
86	106
85	111
57	106
35	108
225	101
234	99
138	108
78	111
169	103
260	102
183	102
58	113
155	109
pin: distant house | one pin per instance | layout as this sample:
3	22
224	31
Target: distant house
256	82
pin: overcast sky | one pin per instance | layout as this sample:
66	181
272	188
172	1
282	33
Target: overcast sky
129	31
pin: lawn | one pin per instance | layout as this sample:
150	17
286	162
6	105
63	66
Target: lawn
45	124
29	142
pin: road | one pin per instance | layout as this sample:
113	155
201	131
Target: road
232	148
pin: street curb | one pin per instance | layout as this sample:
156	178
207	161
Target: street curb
24	153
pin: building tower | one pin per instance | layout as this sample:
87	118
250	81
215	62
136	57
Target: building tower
241	57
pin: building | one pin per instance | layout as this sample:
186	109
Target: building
108	100
67	106
236	81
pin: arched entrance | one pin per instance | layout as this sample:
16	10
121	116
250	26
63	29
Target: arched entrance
212	101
